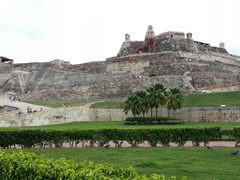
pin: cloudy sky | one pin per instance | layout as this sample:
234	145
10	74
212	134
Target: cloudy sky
82	31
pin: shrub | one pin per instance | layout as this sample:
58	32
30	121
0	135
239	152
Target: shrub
41	138
19	165
152	75
152	121
236	133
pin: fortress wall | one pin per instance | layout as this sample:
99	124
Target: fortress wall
142	57
137	64
119	76
135	67
209	114
92	67
212	57
206	47
5	71
73	114
35	66
198	114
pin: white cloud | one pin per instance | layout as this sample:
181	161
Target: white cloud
82	31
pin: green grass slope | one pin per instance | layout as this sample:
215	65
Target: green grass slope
57	104
212	99
192	100
197	163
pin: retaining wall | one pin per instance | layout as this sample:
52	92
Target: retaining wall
72	114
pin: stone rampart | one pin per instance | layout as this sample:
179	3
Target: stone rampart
119	77
77	114
195	114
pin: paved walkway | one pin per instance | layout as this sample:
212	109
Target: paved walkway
21	105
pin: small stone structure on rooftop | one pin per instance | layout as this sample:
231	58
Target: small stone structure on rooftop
167	41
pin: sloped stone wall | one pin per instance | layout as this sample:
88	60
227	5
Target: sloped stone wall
120	76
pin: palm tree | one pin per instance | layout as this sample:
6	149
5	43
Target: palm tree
131	104
151	99
142	101
158	96
174	100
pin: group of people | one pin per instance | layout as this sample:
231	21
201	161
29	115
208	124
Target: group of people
29	110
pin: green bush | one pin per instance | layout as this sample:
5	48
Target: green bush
42	138
152	75
235	133
19	165
151	121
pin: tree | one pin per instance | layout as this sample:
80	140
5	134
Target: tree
142	100
151	100
155	97
130	105
158	96
174	100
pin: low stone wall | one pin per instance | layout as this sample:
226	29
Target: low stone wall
73	114
209	114
196	114
108	115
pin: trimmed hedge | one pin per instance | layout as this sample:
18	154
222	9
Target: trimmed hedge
43	138
19	165
151	121
235	133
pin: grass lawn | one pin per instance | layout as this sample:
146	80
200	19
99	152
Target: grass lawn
108	105
212	99
118	124
59	103
192	100
195	163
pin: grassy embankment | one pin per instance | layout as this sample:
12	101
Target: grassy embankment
57	104
195	163
192	100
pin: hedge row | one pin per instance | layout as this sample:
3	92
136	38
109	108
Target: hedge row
19	165
151	121
42	138
232	134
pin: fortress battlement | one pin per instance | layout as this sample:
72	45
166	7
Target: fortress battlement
167	41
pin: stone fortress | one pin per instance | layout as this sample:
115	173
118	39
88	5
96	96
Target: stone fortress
170	58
